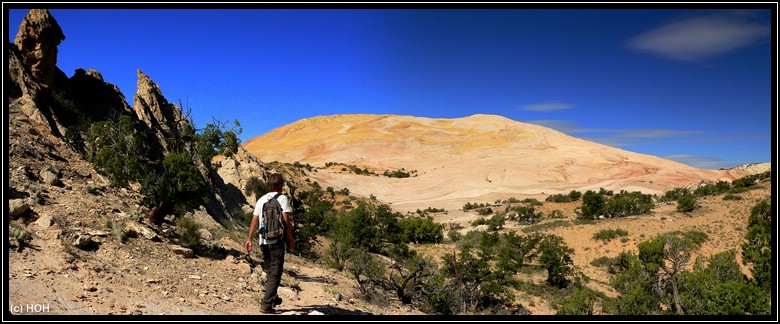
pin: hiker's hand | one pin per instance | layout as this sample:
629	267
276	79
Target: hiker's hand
248	246
291	246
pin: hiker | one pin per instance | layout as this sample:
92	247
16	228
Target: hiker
273	249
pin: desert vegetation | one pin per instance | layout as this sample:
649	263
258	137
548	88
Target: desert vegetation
482	272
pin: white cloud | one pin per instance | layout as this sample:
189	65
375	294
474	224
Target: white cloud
698	38
547	106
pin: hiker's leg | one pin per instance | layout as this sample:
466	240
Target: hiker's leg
266	258
276	254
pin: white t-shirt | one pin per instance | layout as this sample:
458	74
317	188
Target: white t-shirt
283	201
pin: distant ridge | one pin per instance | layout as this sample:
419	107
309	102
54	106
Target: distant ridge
468	157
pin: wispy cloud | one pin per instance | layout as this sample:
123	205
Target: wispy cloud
547	107
701	162
698	38
617	137
566	126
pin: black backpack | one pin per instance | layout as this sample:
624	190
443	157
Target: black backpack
272	219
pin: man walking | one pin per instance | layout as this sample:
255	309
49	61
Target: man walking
273	248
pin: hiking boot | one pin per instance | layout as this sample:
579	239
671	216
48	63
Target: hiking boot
277	301
267	310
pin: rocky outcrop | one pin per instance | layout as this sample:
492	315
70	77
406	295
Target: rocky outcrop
37	41
166	119
92	98
41	93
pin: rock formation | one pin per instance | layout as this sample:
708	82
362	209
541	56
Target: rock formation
37	40
31	68
153	109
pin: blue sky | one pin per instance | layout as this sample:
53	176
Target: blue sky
692	85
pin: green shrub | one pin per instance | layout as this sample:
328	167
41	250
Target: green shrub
609	234
255	186
592	205
188	231
732	197
118	233
556	214
686	203
454	235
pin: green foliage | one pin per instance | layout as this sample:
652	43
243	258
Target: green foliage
189	232
674	194
720	288
255	186
398	173
581	302
637	286
712	189
686	203
357	228
609	234
420	230
604	261
628	203
545	226
429	210
454	235
572	196
469	206
496	222
556	214
115	148
180	184
513	250
474	284
532	202
216	139
368	272
592	205
555	256
118	233
757	248
312	221
732	197
524	214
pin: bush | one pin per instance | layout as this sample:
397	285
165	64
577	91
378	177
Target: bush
674	194
420	230
581	302
454	235
609	234
732	197
556	214
686	203
255	186
572	196
188	231
216	139
625	203
115	149
592	204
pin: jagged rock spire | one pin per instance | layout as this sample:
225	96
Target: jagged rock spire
37	40
155	111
